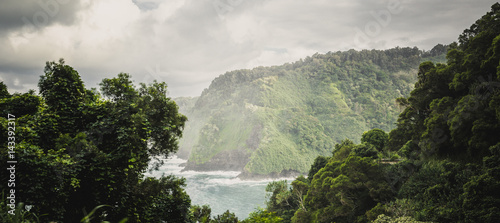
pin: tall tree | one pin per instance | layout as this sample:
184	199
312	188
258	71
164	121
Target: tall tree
375	137
4	93
64	94
81	150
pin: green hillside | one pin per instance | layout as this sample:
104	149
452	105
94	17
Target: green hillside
270	119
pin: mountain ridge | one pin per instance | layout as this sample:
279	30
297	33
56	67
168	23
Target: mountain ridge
273	121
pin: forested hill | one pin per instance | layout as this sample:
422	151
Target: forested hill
447	138
272	119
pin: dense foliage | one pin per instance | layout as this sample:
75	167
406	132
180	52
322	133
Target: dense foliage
447	135
77	149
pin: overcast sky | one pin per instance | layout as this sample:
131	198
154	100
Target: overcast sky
187	43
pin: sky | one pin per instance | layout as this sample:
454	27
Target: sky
187	43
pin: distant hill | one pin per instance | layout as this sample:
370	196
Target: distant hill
273	121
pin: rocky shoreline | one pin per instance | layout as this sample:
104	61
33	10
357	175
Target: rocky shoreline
236	160
274	175
211	166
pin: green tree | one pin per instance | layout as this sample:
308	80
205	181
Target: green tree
226	217
410	150
161	199
64	94
4	93
319	163
300	186
375	137
342	150
201	213
365	150
283	200
375	212
344	191
481	198
280	200
21	104
78	150
262	216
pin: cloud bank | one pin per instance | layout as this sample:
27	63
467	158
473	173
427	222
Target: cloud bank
187	43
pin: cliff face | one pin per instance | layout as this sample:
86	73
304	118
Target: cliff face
273	121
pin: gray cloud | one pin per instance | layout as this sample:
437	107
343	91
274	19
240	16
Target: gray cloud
36	14
187	43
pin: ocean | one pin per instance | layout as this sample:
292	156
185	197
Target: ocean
222	190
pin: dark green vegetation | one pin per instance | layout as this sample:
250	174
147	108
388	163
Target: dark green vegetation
272	119
77	149
448	139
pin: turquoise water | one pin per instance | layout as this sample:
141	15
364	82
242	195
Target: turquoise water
219	189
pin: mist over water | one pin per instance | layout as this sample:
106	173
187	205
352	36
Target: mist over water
219	189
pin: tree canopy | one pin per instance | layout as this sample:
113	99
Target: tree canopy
77	150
